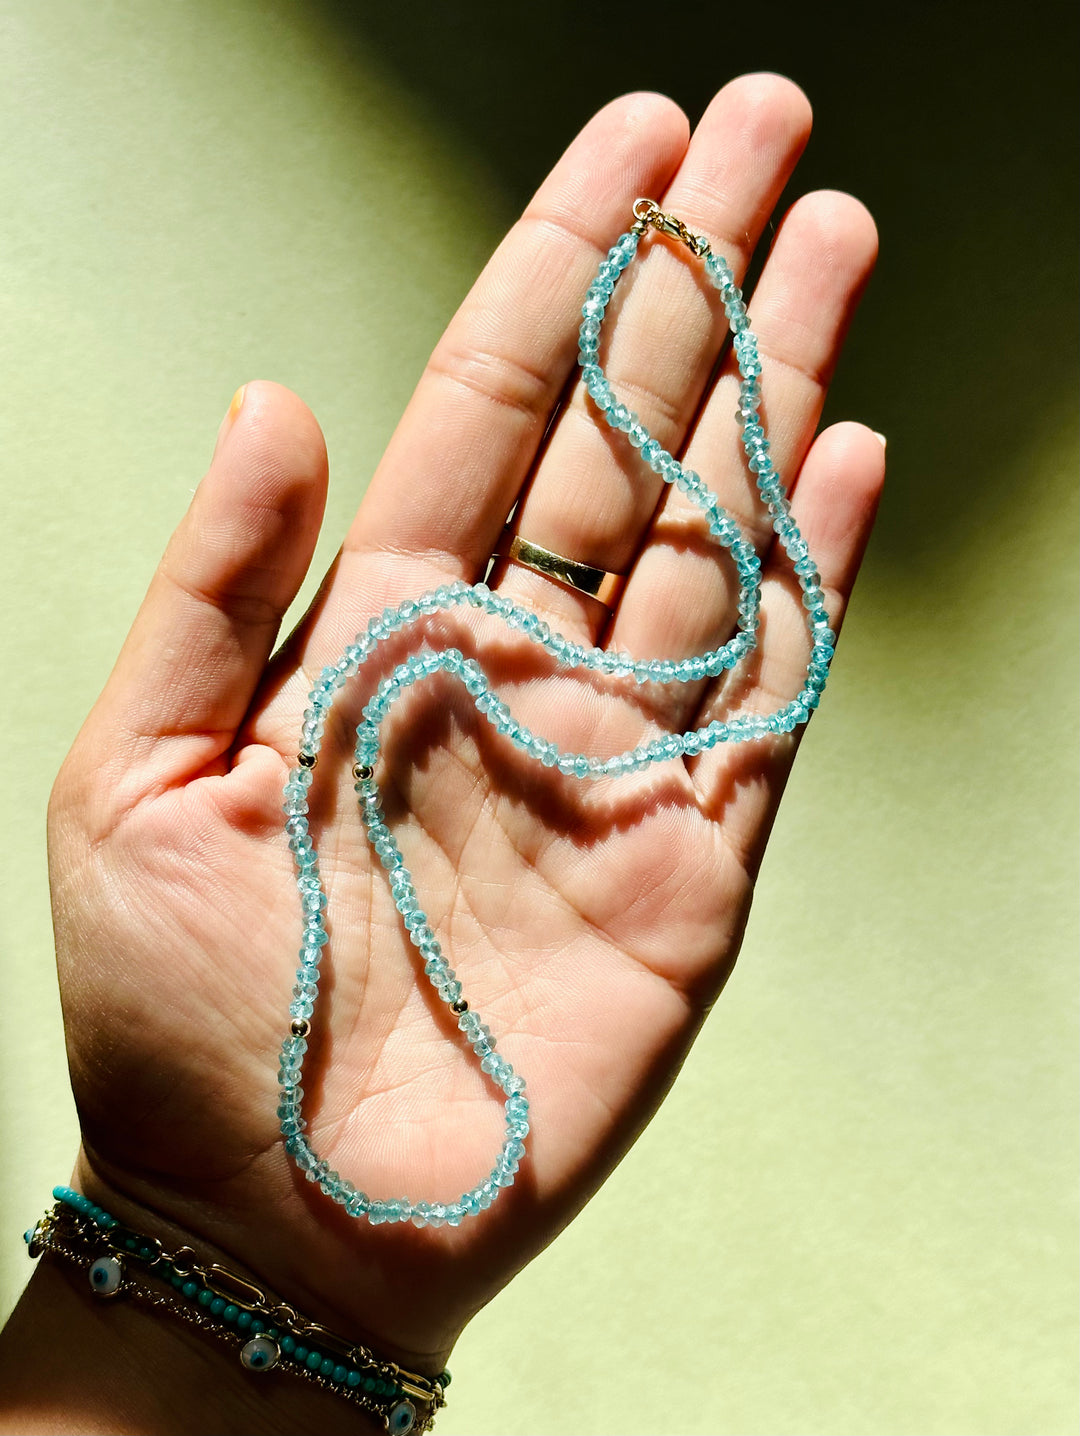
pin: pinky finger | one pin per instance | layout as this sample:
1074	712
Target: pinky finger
834	504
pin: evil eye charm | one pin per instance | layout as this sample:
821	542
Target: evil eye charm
106	1275
402	1419
260	1353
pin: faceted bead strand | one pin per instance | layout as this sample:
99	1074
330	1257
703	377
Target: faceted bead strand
567	655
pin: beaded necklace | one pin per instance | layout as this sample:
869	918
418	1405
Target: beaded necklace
568	655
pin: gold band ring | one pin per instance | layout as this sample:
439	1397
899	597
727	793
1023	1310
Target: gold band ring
582	577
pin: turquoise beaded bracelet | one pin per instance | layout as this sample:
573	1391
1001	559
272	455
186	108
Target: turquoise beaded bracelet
412	614
270	1333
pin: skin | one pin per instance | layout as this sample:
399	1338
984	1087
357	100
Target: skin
593	925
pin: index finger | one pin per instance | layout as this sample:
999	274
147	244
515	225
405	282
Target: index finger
471	432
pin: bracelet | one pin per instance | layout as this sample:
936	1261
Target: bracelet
270	1333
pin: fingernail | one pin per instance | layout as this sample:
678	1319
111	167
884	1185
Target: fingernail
879	437
235	405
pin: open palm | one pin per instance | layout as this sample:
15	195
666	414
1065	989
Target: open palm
591	925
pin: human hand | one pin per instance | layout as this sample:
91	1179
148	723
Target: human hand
592	926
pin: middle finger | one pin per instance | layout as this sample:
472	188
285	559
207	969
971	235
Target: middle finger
589	500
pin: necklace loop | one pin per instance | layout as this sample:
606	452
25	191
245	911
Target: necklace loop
423	662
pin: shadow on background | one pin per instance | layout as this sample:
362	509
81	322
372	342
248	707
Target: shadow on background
955	124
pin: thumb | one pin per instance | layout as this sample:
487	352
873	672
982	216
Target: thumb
197	650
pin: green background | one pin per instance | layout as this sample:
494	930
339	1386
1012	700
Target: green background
856	1212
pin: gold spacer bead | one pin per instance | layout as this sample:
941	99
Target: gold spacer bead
299	1027
307	760
361	772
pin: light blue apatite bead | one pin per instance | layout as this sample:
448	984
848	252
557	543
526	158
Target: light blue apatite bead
422	663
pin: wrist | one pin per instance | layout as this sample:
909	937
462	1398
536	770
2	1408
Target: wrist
227	1342
373	1296
71	1363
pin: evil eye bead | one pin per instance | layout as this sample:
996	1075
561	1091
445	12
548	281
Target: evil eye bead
105	1276
402	1419
260	1353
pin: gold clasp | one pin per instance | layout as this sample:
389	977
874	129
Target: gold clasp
647	212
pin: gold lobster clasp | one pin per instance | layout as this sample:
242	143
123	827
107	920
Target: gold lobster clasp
647	212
